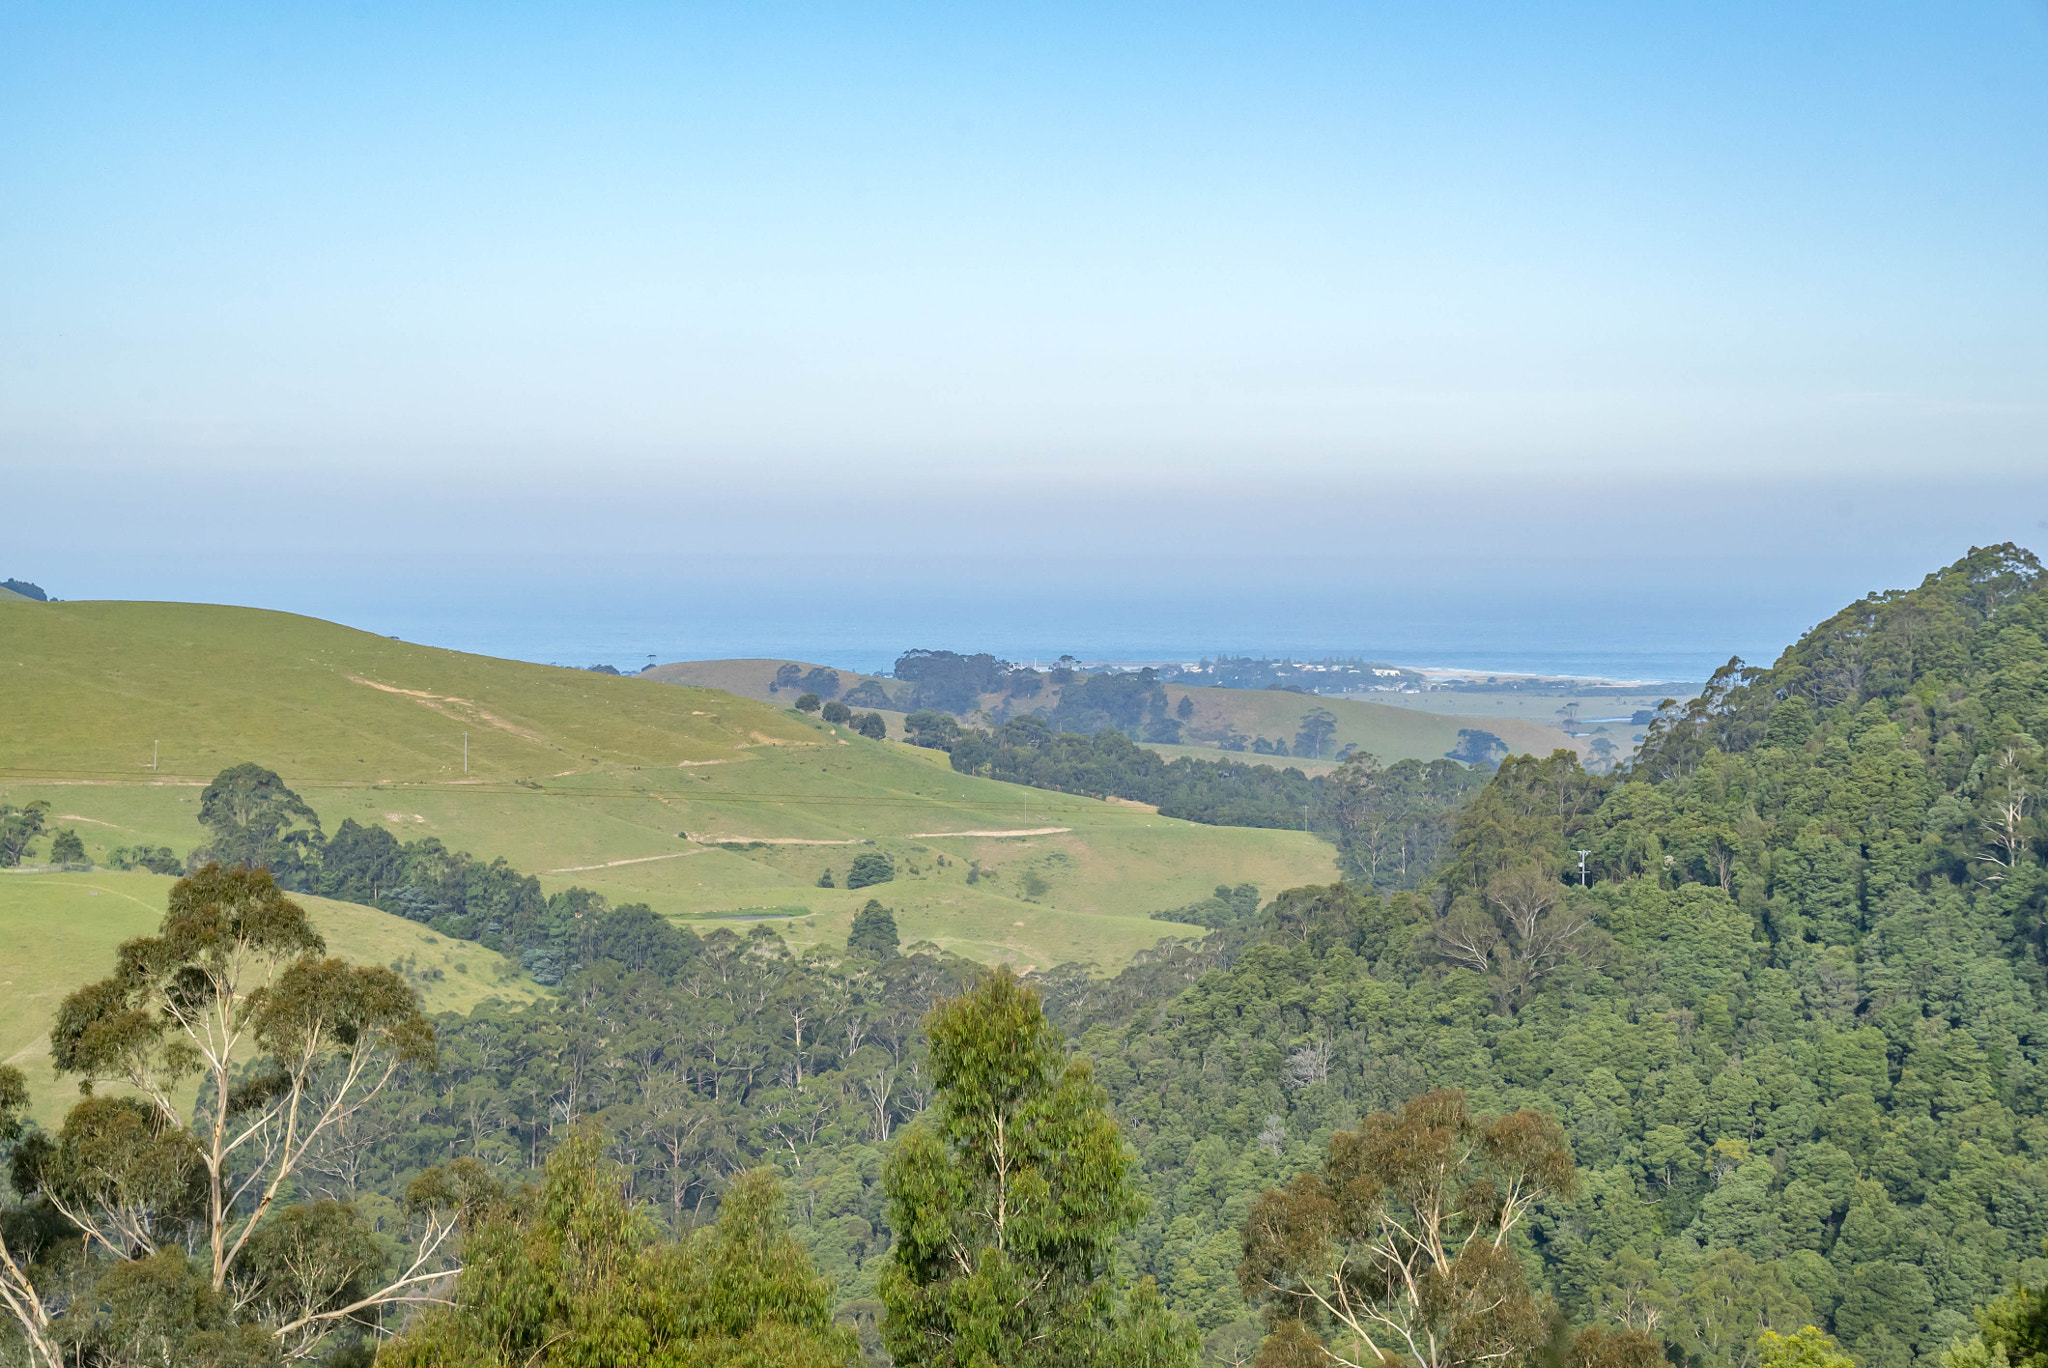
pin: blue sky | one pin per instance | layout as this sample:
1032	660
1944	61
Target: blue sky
766	283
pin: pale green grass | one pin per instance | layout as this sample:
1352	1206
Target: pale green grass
59	932
1392	733
590	785
91	686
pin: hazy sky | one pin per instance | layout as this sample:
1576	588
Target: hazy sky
1430	285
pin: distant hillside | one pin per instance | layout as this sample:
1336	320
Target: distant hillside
587	780
1220	717
758	679
9	596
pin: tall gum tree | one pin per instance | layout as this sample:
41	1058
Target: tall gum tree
234	993
1006	1201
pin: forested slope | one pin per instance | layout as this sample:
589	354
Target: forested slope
1794	1024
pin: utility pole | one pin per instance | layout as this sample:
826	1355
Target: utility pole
1582	867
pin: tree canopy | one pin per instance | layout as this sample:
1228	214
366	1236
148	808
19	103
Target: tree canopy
1007	1201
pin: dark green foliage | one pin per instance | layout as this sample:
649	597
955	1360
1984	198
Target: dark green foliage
873	726
825	880
933	730
1227	907
1220	792
26	590
809	703
873	932
837	713
466	899
66	848
1796	1043
868	694
1477	747
1133	703
950	682
1399	1238
1318	725
868	868
572	1275
18	827
258	823
1391	823
155	859
1007	1200
162	1309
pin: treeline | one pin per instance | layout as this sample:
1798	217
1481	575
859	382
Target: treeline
1388	821
256	822
1025	750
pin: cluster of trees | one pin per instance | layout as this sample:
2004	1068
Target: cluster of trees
950	682
1389	821
19	827
155	859
868	868
1227	906
1133	703
1107	764
818	681
25	589
871	725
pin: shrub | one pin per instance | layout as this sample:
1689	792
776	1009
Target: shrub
871	867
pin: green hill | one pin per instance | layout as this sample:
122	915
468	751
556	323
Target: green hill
1389	731
9	596
587	779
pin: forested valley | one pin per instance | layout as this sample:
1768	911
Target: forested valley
1730	1057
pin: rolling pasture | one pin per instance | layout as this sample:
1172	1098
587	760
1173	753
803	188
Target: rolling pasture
707	806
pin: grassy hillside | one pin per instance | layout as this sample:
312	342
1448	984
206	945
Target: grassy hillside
9	596
61	930
586	779
1391	731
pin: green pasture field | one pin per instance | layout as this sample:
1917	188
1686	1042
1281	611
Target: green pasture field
1543	709
1391	733
60	932
587	779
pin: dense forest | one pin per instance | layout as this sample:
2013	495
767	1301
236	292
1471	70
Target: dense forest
1780	981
